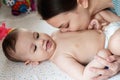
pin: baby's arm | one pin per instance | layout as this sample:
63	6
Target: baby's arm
94	63
69	65
76	70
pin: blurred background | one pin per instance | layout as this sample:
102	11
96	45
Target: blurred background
29	20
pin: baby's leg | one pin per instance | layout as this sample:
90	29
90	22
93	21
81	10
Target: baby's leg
87	72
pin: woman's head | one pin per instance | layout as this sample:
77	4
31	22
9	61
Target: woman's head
68	15
51	8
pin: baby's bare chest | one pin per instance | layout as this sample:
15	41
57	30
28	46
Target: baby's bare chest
81	50
82	47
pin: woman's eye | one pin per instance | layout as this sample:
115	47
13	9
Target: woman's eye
35	48
67	26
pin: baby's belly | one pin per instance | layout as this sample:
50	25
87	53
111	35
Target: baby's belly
85	58
86	52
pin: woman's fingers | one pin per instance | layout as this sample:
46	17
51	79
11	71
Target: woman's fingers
103	61
101	71
104	77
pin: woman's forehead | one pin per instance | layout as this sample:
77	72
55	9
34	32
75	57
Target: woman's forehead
58	20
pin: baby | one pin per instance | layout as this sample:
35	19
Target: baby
69	51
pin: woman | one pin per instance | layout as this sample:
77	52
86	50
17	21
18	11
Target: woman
73	15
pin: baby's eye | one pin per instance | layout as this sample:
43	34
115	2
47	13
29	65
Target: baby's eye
35	48
67	26
36	35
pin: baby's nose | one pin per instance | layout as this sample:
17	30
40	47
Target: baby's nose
40	42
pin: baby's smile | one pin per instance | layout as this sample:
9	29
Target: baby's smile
47	45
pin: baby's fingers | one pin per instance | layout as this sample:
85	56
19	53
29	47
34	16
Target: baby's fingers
94	24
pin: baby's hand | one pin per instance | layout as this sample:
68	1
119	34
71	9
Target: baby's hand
32	63
94	24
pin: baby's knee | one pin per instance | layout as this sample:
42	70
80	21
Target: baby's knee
104	53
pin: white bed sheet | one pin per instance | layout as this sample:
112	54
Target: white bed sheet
45	71
18	71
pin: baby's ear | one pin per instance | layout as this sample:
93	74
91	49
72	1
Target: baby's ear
32	62
83	3
27	62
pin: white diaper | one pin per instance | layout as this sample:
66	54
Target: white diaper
110	30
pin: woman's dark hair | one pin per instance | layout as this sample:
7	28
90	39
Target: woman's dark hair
9	43
50	8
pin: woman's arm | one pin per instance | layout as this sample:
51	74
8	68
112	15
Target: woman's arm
113	64
109	16
96	64
102	19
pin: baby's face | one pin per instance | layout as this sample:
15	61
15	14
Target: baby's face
33	46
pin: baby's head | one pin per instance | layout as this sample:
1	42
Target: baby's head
22	45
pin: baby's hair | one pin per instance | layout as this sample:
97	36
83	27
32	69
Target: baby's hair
50	8
9	43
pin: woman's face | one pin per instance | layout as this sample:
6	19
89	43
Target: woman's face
75	20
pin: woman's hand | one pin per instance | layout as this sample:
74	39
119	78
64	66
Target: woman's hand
113	67
102	19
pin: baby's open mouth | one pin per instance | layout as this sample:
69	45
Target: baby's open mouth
48	45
